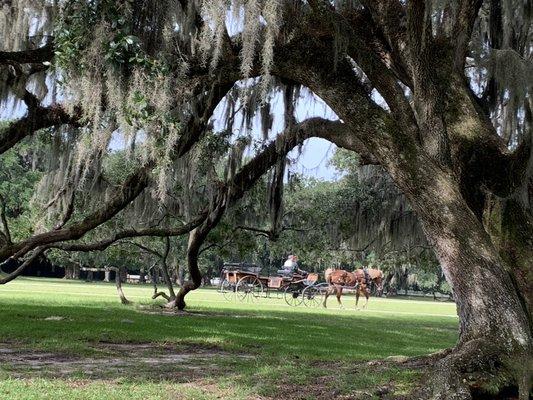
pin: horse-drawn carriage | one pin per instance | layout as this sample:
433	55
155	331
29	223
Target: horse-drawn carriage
243	282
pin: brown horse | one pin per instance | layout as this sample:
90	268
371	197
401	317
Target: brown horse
339	279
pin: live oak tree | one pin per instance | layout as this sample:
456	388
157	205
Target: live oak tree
438	93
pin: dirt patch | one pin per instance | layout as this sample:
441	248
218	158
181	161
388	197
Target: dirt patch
200	367
417	362
145	360
172	312
160	348
321	389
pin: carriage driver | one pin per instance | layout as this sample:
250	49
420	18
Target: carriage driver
290	267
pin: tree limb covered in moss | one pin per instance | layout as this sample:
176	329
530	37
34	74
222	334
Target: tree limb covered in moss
371	54
37	118
31	56
130	233
131	188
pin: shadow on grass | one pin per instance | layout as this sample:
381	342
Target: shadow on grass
289	333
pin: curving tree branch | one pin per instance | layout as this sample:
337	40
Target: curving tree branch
37	118
130	233
124	195
36	253
32	56
467	11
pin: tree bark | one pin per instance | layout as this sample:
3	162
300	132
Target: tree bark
118	281
164	269
495	327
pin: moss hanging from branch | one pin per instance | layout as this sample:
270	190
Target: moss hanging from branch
275	199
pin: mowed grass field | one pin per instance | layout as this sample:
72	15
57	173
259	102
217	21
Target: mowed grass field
75	340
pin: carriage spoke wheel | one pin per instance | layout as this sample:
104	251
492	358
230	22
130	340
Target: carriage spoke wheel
312	296
293	295
249	288
228	290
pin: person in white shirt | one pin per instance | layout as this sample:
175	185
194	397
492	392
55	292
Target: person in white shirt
290	266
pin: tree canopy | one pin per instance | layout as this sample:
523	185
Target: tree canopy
435	93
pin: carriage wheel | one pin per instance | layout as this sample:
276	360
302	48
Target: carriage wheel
249	288
228	290
293	295
312	296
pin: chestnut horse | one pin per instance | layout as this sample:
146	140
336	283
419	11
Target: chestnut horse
339	279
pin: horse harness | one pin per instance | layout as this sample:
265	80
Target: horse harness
368	280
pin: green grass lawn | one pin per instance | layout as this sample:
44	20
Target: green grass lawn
289	352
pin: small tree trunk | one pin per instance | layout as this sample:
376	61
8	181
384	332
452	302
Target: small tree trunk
196	238
76	272
168	281
174	275
119	272
155	276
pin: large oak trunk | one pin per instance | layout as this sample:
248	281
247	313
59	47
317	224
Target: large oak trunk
495	341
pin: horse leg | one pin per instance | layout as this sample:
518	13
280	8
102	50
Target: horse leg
367	296
356	298
339	294
328	292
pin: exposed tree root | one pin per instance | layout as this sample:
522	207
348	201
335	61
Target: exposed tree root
480	369
161	294
180	299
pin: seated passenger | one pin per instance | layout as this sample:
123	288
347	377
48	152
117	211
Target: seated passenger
290	267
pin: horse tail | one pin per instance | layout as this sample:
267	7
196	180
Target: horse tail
327	274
